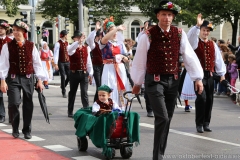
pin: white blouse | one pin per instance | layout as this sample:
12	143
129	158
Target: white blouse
96	107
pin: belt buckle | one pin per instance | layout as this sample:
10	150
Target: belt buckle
13	76
73	71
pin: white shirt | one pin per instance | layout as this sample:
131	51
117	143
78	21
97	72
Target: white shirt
56	51
96	107
193	37
5	65
3	37
72	49
139	65
91	39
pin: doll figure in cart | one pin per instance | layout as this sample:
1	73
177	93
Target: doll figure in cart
104	104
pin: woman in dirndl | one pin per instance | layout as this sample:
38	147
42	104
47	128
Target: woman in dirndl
114	72
188	92
46	58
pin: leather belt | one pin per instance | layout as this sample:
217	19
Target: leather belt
78	71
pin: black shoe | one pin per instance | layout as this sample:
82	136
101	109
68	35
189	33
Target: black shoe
15	134
64	95
70	115
150	114
207	129
2	119
27	136
199	129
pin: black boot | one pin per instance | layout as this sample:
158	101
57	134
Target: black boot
199	129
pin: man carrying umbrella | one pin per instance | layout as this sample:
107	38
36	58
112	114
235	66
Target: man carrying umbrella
19	62
4	26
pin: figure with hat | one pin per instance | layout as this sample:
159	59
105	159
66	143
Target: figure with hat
113	50
81	71
157	61
211	61
92	40
19	64
104	104
61	60
4	28
46	57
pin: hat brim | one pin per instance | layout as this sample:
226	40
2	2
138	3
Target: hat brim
211	29
160	9
20	27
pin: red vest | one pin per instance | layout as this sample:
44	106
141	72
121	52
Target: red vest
97	55
45	55
206	55
104	105
163	54
78	61
20	59
2	42
63	54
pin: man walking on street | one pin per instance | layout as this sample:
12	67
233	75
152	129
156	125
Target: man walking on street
61	60
211	60
81	71
4	27
19	62
159	64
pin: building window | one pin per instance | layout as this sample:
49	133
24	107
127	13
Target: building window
48	26
135	29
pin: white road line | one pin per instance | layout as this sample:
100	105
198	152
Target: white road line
85	158
57	148
179	106
192	135
9	130
35	138
54	86
2	125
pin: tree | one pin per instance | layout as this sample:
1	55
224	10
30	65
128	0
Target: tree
51	8
11	6
216	11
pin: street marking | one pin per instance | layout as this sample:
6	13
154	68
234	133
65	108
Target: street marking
57	148
85	157
9	130
2	125
54	86
192	135
179	106
35	138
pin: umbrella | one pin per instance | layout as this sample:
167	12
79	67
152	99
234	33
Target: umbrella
42	101
132	84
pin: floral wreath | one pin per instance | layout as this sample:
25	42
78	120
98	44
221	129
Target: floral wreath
5	24
172	6
210	25
22	25
108	23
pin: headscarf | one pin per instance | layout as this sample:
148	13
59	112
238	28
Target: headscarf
42	44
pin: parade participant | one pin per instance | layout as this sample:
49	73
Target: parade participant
4	27
211	60
46	57
232	70
10	32
114	72
104	104
96	53
19	62
81	71
159	64
61	60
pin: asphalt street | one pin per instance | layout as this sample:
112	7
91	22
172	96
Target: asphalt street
183	141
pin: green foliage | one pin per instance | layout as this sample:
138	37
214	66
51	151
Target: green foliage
11	6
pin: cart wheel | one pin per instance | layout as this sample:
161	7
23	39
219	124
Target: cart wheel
82	143
126	152
113	154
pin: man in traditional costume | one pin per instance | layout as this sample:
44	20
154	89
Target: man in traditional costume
157	59
61	60
4	27
96	54
211	60
19	62
81	71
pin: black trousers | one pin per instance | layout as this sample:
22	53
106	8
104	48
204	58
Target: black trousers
2	107
97	74
204	102
15	85
162	96
148	106
75	79
64	71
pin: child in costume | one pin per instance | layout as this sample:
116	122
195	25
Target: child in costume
104	104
